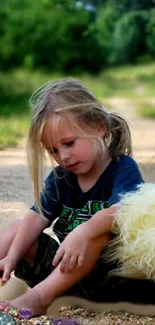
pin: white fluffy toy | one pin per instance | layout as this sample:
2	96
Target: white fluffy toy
134	244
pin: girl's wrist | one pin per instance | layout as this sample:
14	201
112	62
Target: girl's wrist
12	256
90	230
101	222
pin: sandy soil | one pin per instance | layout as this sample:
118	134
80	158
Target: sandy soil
16	197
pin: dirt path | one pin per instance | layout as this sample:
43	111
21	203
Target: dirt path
15	189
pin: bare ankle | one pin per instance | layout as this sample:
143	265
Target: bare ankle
44	299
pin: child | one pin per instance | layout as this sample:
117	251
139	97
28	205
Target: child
92	149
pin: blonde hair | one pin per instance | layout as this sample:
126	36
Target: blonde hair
69	97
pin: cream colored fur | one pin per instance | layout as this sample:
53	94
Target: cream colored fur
134	244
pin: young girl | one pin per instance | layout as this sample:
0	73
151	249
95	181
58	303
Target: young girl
92	149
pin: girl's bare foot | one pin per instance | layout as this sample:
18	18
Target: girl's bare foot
29	300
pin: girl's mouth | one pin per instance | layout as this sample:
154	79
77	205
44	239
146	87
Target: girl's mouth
72	166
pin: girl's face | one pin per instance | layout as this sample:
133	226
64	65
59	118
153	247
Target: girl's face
72	148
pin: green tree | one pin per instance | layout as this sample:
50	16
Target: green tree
150	39
105	26
129	37
132	5
48	33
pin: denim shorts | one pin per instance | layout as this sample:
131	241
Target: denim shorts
97	286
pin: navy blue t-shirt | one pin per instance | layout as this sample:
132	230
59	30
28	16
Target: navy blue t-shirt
64	199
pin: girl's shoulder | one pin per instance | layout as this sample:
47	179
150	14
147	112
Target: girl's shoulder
126	158
124	164
127	161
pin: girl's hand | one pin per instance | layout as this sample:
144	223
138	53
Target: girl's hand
73	249
7	265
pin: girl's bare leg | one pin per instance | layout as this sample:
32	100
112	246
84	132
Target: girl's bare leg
42	295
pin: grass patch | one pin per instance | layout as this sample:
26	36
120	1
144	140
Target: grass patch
16	88
130	81
147	110
12	130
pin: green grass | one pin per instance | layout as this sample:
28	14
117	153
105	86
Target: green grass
147	110
12	130
135	83
16	88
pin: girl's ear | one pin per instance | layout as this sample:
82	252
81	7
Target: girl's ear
101	130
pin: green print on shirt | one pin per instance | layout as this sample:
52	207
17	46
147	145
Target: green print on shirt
74	217
66	213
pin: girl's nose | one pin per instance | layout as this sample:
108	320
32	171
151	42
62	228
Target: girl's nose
64	154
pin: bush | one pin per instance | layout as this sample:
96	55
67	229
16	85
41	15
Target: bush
150	38
105	26
128	38
41	34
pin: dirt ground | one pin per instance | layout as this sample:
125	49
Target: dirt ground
16	197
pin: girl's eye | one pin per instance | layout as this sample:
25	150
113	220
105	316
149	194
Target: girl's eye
70	143
53	151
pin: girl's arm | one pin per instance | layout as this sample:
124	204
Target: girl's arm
29	230
57	282
101	222
73	250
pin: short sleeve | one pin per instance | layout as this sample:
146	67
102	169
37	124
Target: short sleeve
50	197
127	179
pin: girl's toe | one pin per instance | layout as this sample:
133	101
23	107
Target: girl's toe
4	305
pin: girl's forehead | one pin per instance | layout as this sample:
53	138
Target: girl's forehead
61	124
57	130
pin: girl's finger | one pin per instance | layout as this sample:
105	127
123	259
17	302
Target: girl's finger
80	260
6	274
59	254
64	262
73	262
4	305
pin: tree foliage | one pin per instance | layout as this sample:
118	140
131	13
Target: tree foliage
71	35
129	36
150	38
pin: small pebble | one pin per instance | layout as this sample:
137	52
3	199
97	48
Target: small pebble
26	313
